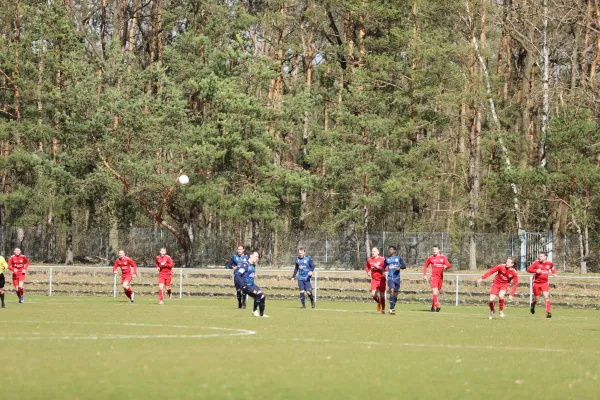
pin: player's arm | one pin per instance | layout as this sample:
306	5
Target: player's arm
488	273
515	285
427	262
229	263
368	268
447	264
402	263
157	264
10	264
295	271
312	266
170	263
532	268
134	267
3	264
116	266
553	270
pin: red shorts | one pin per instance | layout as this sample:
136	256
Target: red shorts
436	282
378	285
166	279
126	278
497	288
16	278
538	288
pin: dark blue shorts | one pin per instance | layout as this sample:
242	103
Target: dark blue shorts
252	290
392	284
305	285
238	281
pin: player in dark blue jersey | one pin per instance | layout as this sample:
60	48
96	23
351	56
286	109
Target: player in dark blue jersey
234	263
248	272
304	268
392	265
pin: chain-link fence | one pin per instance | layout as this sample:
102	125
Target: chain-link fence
279	248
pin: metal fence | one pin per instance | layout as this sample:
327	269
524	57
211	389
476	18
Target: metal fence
279	248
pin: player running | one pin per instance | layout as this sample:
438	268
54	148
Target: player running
128	272
506	275
235	262
18	264
374	268
164	265
248	271
304	268
392	265
439	264
3	266
542	268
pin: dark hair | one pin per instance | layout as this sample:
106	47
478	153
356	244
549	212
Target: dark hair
437	245
513	259
544	253
301	249
393	247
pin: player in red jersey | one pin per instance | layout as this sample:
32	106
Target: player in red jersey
541	268
506	275
164	265
439	264
128	272
374	268
18	264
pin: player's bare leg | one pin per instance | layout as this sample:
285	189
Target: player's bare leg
548	305
161	295
501	301
435	304
492	305
302	299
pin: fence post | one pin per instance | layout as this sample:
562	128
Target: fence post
50	291
565	254
549	246
180	282
530	289
523	238
442	244
316	283
326	246
383	243
457	290
115	285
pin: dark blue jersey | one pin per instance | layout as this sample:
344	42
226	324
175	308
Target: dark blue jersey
394	264
304	265
235	261
248	272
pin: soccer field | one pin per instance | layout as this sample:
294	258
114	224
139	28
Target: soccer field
93	347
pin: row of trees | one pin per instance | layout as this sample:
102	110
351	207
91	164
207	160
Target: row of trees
341	115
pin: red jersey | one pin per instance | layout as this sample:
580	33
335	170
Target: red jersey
375	267
438	265
18	264
504	277
127	265
164	264
547	267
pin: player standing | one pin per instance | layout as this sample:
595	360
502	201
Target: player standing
542	268
3	266
18	264
248	273
128	272
235	262
164	265
393	264
374	268
304	268
506	275
439	264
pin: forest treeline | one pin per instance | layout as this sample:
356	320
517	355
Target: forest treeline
335	115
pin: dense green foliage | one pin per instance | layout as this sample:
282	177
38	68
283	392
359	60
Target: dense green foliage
342	115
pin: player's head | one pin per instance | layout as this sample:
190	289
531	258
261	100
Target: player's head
17	251
510	262
543	256
240	250
374	252
253	257
301	252
163	251
436	250
121	254
392	250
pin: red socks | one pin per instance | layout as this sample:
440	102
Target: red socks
128	292
501	304
492	306
161	297
435	303
376	299
169	292
548	306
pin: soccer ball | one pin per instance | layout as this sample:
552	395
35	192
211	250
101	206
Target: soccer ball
184	179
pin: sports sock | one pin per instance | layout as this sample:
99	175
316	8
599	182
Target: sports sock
169	292
127	292
501	304
2	298
548	306
239	297
18	292
492	306
256	302
310	295
262	306
533	303
302	299
161	296
393	300
436	303
383	302
376	299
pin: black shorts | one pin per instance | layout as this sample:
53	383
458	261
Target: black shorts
2	280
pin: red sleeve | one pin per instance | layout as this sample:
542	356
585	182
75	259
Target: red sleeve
515	284
10	262
367	267
170	262
26	264
427	262
531	269
134	266
447	263
552	268
157	263
116	265
490	271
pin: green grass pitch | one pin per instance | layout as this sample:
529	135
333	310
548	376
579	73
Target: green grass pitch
93	348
